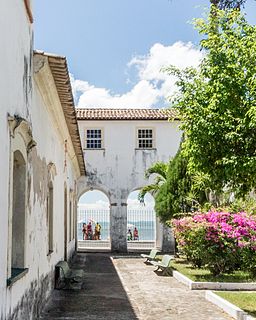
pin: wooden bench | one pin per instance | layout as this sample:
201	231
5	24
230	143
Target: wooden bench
71	278
151	255
164	264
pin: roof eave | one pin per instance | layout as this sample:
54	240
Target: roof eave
59	69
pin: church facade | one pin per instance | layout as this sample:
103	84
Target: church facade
119	145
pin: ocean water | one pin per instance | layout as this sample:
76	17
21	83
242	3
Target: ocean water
146	229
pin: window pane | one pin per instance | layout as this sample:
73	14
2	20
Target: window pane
145	138
93	139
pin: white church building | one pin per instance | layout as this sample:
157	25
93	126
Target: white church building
119	145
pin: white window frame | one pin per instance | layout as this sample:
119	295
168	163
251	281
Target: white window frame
95	138
138	139
20	141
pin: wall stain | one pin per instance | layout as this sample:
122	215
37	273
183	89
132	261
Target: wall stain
34	299
93	177
40	176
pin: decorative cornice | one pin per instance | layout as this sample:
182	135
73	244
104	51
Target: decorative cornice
19	125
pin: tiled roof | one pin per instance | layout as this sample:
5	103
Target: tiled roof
126	114
59	69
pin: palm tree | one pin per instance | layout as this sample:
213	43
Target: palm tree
159	169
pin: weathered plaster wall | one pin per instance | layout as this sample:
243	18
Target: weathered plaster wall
119	167
15	60
20	95
47	161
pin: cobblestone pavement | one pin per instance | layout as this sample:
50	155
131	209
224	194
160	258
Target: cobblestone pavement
159	297
127	289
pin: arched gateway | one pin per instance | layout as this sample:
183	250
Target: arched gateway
119	145
93	221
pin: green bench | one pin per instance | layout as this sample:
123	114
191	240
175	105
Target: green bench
151	255
66	277
164	264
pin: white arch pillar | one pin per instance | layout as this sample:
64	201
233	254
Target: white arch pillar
118	225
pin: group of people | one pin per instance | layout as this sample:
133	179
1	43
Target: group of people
89	234
134	236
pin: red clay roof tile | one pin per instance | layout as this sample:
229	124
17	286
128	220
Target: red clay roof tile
125	114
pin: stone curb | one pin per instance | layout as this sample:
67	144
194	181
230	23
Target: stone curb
229	286
228	307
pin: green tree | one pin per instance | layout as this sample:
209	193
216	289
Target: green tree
159	171
217	104
172	188
173	197
228	4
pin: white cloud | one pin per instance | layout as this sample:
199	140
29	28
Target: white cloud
132	204
152	85
141	95
135	204
100	204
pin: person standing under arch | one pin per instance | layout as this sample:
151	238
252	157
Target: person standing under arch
84	231
135	234
97	231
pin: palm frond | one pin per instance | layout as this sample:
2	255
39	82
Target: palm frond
159	168
151	188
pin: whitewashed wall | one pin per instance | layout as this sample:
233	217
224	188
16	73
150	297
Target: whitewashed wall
15	62
19	95
119	167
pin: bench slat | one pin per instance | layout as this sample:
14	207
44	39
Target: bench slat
69	275
164	264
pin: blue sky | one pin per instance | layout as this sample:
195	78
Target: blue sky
116	48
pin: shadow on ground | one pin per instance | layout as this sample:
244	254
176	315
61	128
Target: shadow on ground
102	295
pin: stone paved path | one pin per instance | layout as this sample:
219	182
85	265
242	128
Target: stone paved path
101	297
128	291
158	297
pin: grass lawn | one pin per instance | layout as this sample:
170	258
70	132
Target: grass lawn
244	300
204	275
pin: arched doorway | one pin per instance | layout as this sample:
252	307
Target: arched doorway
141	222
93	222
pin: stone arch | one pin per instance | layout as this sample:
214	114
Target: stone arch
137	189
141	222
92	214
52	171
21	133
100	188
21	142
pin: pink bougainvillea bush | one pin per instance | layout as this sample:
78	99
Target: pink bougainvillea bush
219	241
